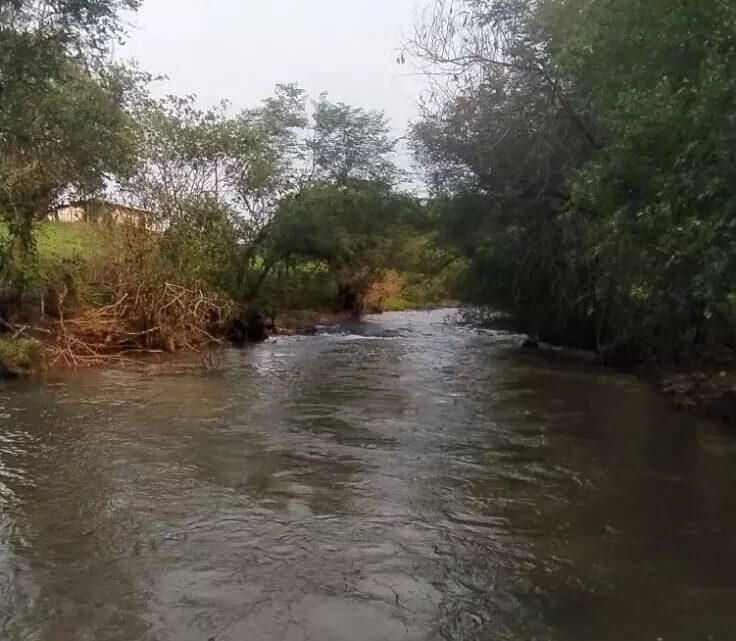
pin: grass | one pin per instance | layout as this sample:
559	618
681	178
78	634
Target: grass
64	253
63	242
65	250
396	304
20	354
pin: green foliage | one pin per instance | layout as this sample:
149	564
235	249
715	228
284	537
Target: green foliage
214	181
586	154
429	273
20	354
66	254
665	182
351	143
299	284
61	112
64	128
62	251
291	203
349	227
201	245
69	134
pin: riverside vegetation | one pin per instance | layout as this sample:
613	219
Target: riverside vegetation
295	204
581	153
578	155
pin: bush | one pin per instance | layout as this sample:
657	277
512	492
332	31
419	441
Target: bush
20	354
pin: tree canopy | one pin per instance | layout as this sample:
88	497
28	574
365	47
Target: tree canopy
582	150
63	124
351	143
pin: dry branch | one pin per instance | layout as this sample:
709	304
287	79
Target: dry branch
146	321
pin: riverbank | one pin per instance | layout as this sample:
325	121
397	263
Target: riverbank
97	293
19	356
707	391
35	347
308	321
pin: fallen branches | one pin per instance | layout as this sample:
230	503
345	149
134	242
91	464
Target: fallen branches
145	321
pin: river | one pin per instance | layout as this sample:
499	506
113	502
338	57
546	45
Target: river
401	479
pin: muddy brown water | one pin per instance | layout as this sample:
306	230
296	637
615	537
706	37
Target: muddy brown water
401	479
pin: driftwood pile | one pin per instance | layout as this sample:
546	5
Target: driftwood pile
143	321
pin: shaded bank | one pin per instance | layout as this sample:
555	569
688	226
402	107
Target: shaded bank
93	293
25	356
708	391
582	162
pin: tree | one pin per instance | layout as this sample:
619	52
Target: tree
343	210
351	143
51	57
73	135
194	160
63	126
351	228
585	150
660	194
499	144
202	246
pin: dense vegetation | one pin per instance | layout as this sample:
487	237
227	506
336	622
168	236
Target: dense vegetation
579	155
292	204
582	157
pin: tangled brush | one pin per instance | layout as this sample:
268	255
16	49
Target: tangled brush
145	320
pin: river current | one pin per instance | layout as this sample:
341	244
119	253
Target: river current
403	478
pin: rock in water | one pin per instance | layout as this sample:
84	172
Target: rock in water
708	394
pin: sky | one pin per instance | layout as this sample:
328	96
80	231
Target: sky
239	49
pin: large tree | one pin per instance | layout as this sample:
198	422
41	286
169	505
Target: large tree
354	228
351	143
63	125
196	163
586	149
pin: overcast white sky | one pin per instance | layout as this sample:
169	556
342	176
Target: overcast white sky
239	49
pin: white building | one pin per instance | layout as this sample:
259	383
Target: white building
96	210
